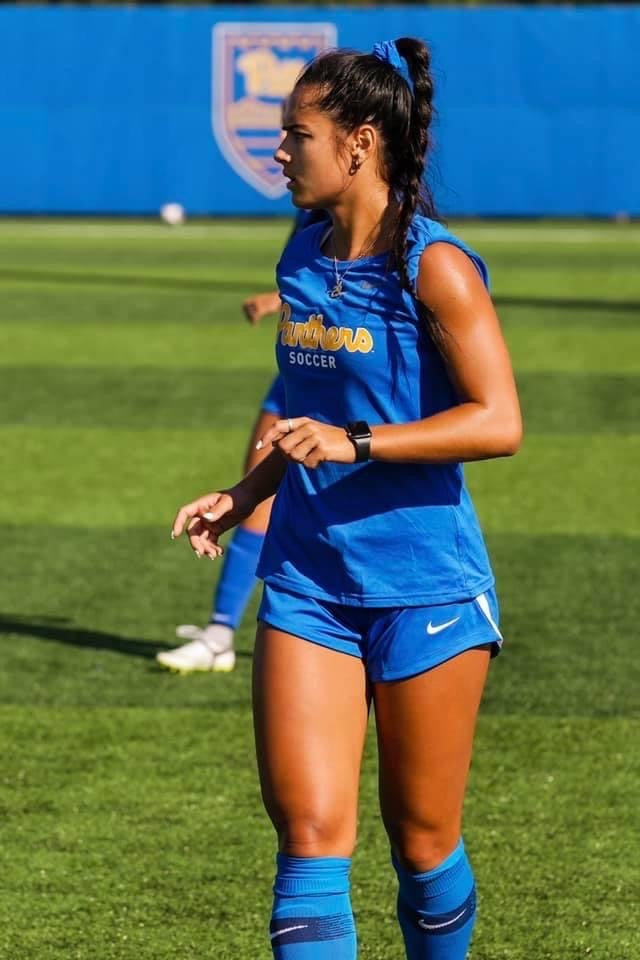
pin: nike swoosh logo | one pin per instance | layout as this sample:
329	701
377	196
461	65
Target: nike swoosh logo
279	933
438	926
441	626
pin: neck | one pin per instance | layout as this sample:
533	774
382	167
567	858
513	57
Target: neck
363	228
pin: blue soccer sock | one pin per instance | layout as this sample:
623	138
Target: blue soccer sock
237	578
437	909
312	917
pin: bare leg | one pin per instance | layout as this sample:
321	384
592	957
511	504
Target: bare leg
425	735
310	711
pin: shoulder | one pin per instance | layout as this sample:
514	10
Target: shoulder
432	247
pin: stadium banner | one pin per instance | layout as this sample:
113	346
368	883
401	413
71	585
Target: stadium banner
119	110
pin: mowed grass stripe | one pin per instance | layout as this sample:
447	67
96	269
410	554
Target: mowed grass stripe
182	344
144	255
574	317
611	350
231	282
141	398
561	483
578	402
101	478
90	611
144	398
149	310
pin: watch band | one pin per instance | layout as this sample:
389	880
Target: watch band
359	432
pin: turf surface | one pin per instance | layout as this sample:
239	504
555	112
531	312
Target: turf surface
130	819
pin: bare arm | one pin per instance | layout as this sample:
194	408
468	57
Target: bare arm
487	421
260	305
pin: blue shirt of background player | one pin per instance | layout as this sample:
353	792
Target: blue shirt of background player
371	534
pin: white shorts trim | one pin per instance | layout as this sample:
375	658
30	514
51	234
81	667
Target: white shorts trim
483	603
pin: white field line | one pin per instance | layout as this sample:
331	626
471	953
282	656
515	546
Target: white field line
129	231
549	234
489	232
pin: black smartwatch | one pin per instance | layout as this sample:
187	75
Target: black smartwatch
359	432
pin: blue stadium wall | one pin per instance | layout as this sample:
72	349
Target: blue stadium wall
119	110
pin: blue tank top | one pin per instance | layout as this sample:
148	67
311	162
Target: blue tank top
368	534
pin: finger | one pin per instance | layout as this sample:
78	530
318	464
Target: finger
205	548
223	505
290	441
203	541
183	516
196	508
280	429
194	530
273	435
297	447
302	450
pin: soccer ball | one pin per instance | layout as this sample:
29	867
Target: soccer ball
173	214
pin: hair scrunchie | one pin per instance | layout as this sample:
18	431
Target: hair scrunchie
389	53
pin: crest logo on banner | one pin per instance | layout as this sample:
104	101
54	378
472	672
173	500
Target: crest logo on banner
254	68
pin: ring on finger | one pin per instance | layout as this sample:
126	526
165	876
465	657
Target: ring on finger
290	424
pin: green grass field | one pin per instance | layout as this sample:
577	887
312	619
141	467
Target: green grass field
130	818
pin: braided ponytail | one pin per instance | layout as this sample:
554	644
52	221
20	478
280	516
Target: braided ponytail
409	167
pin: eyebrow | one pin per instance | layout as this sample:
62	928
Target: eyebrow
294	126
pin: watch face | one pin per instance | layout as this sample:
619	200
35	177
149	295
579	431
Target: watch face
359	428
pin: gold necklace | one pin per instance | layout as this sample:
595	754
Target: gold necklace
338	287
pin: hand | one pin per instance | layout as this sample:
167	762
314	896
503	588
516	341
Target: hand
210	516
309	442
261	305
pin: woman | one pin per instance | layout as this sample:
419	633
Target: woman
377	582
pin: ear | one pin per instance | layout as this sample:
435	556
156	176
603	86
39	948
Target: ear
364	142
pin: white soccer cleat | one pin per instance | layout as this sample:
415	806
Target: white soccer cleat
209	650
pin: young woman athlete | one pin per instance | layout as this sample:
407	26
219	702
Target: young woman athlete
377	584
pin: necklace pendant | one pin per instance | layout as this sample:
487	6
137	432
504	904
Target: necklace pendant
337	290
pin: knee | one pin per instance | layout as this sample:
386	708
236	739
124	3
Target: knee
421	848
316	835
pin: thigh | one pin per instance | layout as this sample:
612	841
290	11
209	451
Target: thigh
425	730
310	714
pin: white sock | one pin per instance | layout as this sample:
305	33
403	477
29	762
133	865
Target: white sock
218	637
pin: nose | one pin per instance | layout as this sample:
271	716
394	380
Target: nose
281	155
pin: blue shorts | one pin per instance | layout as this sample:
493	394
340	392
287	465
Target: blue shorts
275	401
393	642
